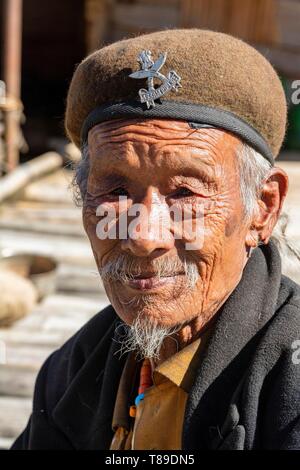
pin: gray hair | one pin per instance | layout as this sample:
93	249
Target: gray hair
254	170
80	178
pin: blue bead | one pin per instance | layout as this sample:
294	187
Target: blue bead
139	398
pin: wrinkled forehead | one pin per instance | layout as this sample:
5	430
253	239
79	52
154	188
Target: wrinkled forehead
160	131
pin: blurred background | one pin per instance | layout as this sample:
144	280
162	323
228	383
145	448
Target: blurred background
48	279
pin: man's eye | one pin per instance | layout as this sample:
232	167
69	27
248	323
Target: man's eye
183	192
119	192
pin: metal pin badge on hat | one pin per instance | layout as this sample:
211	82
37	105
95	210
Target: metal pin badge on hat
150	71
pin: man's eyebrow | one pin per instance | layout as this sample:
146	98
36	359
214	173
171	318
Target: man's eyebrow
194	170
196	177
112	179
115	153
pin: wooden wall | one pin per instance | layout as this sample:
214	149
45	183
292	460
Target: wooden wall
273	26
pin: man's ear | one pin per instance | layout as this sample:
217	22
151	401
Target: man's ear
270	202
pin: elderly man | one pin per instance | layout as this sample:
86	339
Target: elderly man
198	347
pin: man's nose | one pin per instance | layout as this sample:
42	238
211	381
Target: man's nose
150	231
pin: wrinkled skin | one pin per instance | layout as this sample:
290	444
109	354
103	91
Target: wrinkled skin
159	163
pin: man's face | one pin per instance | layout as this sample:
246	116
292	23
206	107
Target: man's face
162	164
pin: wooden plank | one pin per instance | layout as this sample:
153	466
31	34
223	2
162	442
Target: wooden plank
6	443
97	21
289	23
41	212
79	280
42	227
66	249
14	414
53	321
17	381
145	17
27	172
66	305
26	355
60	313
54	220
35	192
286	62
53	188
51	339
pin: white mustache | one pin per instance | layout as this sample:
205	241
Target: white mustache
125	268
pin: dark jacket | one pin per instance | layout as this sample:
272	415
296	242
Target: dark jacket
246	394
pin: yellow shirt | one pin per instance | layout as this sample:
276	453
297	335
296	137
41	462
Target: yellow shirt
159	416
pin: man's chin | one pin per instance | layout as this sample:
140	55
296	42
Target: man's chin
153	315
145	334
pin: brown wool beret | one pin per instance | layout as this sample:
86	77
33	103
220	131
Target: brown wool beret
203	77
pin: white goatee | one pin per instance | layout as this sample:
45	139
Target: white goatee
145	337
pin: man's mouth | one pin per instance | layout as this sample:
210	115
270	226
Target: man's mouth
151	281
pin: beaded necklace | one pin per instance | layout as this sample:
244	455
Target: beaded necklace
145	382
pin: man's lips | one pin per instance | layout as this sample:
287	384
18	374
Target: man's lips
149	281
